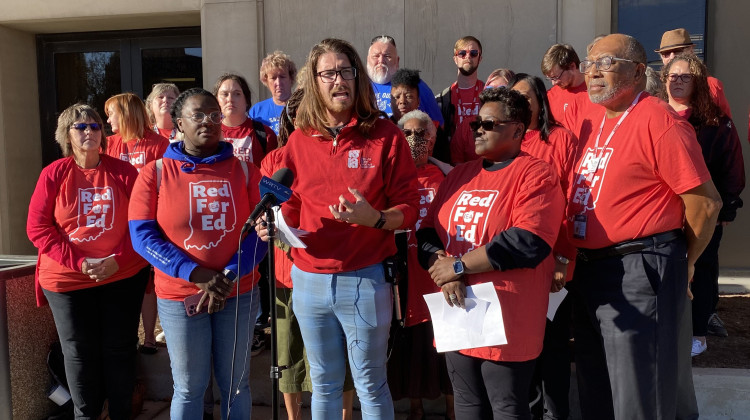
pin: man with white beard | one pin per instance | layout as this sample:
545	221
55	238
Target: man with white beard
382	64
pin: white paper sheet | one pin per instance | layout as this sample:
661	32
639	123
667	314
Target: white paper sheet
480	324
289	235
555	299
97	260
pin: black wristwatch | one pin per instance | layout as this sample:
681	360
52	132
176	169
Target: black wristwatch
381	222
458	266
229	274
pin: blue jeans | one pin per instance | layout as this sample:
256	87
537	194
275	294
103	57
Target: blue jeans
340	315
193	341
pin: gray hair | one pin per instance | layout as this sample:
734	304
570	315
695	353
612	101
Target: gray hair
421	116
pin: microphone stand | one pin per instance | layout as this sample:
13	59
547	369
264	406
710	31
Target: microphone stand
275	368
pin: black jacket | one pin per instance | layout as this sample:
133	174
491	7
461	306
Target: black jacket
723	155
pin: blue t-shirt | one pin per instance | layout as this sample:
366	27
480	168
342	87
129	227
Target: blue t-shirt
427	102
268	113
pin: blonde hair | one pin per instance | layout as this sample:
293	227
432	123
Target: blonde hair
312	114
277	60
157	90
133	115
72	114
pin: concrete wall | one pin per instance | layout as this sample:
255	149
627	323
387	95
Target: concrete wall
20	146
727	60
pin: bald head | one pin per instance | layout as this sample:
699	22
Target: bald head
616	86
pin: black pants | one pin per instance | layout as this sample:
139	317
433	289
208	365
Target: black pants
627	314
705	284
550	386
485	389
98	330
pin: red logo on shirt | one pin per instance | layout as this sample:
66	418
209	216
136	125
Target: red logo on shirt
212	213
468	218
590	177
137	159
240	151
96	211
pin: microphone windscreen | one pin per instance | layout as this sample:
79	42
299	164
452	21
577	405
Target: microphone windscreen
284	176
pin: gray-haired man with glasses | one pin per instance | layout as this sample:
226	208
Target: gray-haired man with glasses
641	209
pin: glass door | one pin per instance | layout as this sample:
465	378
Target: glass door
92	67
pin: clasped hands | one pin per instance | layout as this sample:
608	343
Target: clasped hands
442	273
215	286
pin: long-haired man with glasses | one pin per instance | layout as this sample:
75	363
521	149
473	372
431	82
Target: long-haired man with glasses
568	98
355	182
460	100
641	209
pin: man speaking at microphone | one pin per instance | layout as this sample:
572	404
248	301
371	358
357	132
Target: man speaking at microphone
355	182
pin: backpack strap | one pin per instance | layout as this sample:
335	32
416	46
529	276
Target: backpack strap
260	131
159	165
246	171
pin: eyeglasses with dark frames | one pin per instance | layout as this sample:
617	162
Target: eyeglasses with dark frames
684	78
348	73
472	53
488	125
601	64
201	117
554	79
83	126
417	131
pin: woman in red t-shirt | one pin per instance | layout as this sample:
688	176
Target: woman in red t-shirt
136	143
87	269
546	139
494	220
158	105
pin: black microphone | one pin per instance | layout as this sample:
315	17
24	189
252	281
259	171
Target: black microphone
273	191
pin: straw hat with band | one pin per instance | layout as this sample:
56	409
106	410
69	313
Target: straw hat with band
672	40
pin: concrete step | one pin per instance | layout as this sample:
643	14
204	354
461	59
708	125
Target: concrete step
721	393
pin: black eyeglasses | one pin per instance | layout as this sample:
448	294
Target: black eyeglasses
488	125
685	78
348	73
384	38
82	126
200	117
417	131
601	64
472	53
554	79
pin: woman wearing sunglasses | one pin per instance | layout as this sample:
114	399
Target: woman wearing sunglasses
415	369
495	220
87	269
133	140
686	81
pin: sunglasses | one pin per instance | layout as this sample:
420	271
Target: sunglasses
82	126
417	131
472	53
488	125
666	54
